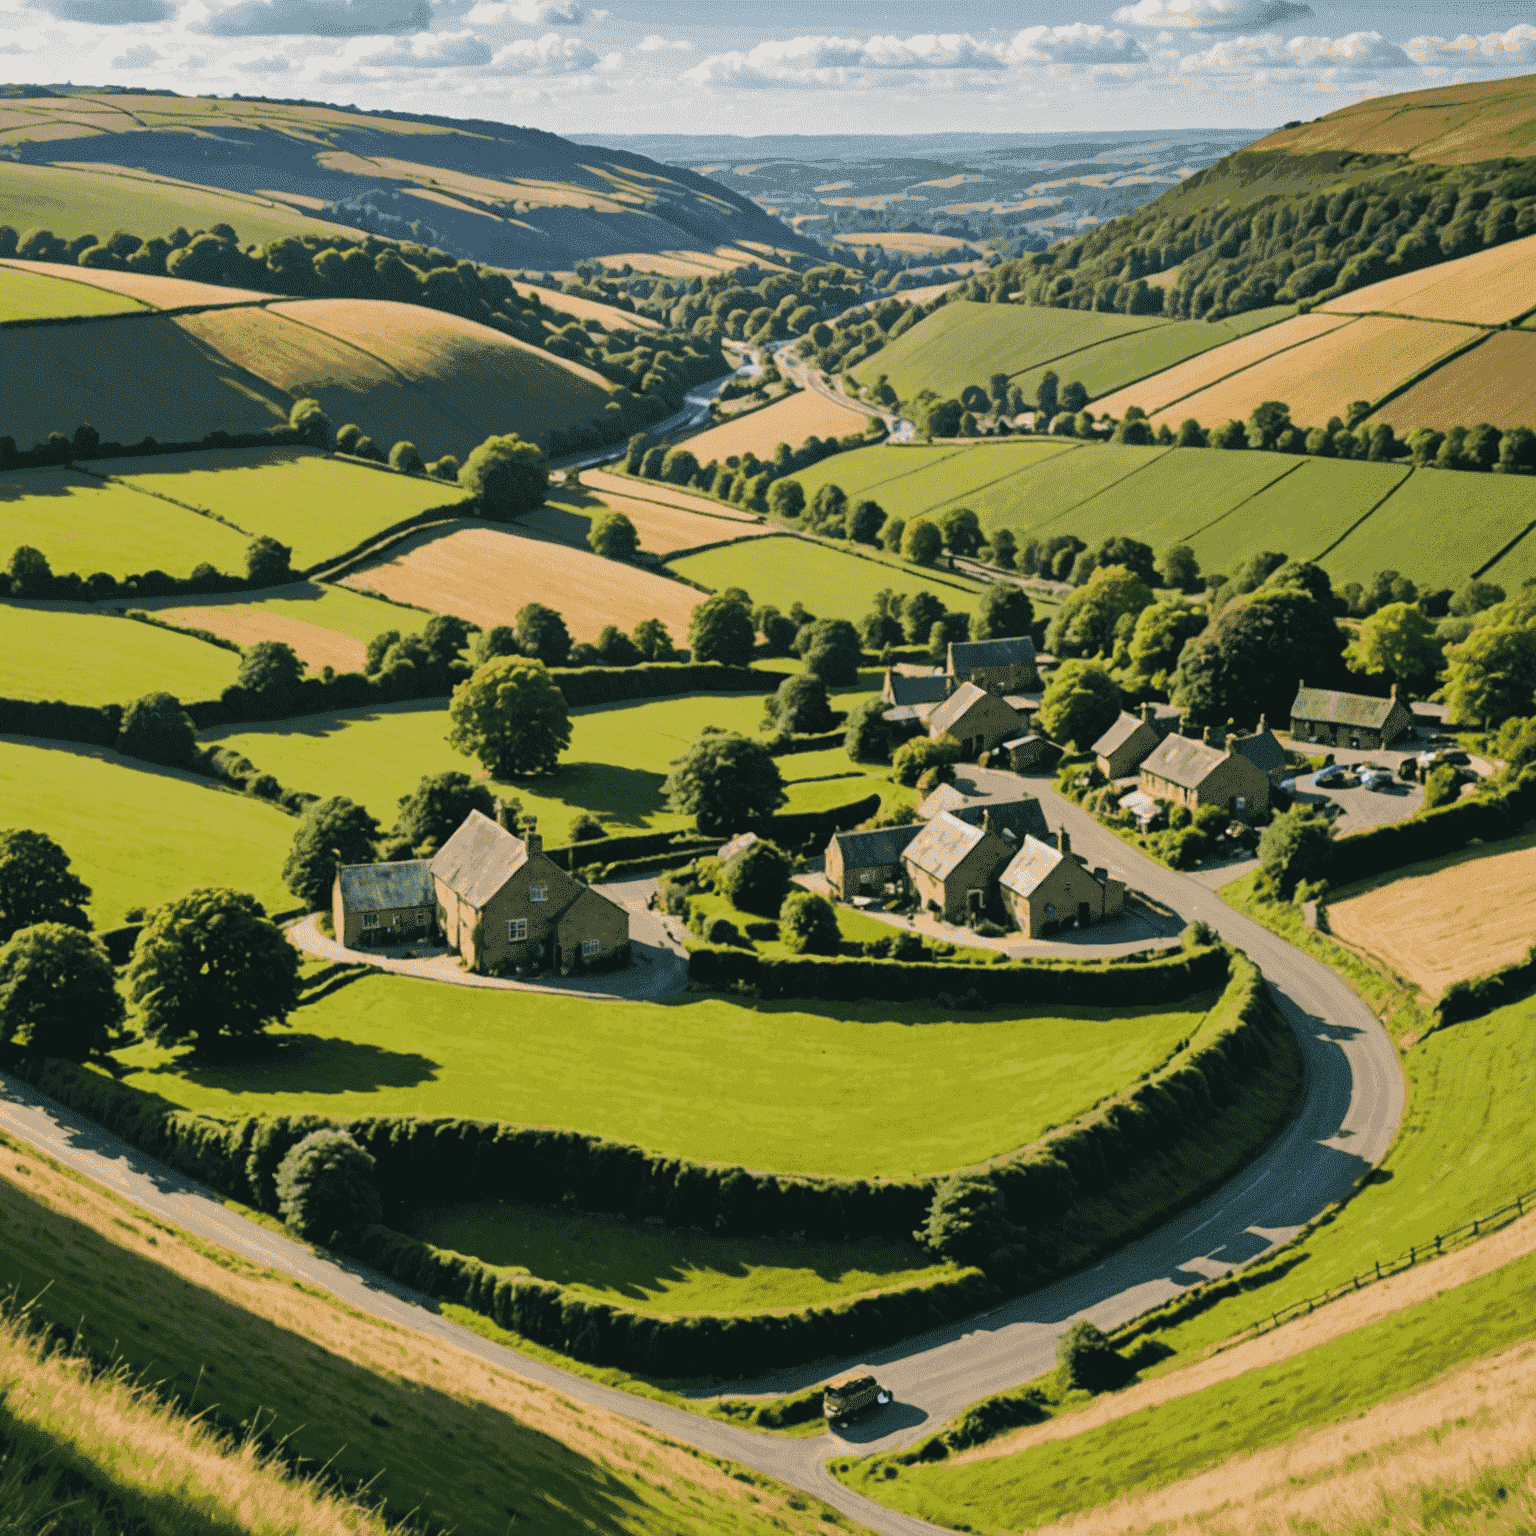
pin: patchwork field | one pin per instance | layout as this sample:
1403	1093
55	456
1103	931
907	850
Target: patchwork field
790	420
672	1271
567	516
768	1087
1361	360
318	506
1490	287
831	584
142	287
82	524
1445	919
97	658
138	835
618	758
1495	382
485	575
30	296
604	482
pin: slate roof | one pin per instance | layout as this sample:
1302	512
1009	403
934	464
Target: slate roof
906	714
1184	761
955	706
479	859
1340	708
738	844
1140	805
1019	814
384	887
878	845
942	845
918	688
1125	726
964	655
1029	866
1262	750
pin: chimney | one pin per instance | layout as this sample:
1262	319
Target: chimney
531	835
1263	726
1392	694
1148	712
503	820
1064	843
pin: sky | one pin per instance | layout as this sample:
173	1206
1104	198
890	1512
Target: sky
795	66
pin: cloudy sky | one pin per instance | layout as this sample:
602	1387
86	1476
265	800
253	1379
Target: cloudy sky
796	66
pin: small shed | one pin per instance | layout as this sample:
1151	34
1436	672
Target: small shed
1032	754
388	903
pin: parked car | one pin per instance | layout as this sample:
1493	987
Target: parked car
1333	774
850	1395
1376	778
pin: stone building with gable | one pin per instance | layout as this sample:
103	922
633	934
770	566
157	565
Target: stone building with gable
1332	717
1193	773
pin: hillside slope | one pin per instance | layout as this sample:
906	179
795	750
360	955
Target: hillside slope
513	197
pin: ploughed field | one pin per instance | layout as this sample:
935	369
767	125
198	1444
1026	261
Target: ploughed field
858	1090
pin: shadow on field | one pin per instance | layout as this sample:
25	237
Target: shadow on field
307	1064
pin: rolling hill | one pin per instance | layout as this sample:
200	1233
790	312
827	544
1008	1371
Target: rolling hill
511	197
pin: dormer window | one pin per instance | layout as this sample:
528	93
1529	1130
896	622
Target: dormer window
538	893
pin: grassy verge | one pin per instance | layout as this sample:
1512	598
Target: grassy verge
1264	1406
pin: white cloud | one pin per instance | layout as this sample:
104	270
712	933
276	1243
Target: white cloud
1078	43
547	55
1516	46
1357	53
140	56
529	13
655	43
427	50
109	13
258	64
1211	15
314	18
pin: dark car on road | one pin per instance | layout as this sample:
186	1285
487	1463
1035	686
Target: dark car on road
849	1396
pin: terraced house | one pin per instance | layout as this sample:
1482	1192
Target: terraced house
1210	772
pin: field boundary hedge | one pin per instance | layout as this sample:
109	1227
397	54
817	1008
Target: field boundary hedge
1477	995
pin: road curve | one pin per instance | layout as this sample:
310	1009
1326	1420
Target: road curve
1353	1103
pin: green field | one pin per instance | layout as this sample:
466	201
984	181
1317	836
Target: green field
316	505
831	584
83	525
773	1086
1044	499
95	658
618	758
665	1270
139	836
1330	1384
34	296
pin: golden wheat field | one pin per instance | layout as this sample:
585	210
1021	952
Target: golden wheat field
160	292
1487	288
485	575
790	420
608	484
1361	360
663	530
1164	389
1494	382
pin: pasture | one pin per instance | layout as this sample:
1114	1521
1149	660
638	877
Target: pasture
98	658
618	758
568	516
1044	498
830	583
1445	919
84	524
318	506
772	1086
28	295
657	1269
1494	381
141	289
790	420
140	835
486	574
1490	287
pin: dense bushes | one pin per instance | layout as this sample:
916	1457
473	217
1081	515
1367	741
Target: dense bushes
1482	994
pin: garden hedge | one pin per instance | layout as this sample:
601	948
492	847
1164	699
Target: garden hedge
1482	994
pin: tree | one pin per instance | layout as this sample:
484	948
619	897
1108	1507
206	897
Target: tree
331	833
1475	597
58	992
615	648
1441	787
30	574
1397	642
1267	422
1004	612
947	630
786	499
1178	568
271	671
831	650
829	510
967	1221
962	531
1491	675
325	1187
892	534
757	878
436	808
156	729
1080	704
309	420
921	542
507	476
652	641
498	640
1516	743
1087	621
541	634
1229	435
868	737
1087	1362
865	521
800	705
511	717
1004	550
912	760
404	458
808	924
1295	846
37	885
726	782
613	536
721	630
211	968
1161	631
918	614
267	562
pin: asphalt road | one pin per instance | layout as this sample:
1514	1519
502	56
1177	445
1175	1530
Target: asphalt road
1353	1103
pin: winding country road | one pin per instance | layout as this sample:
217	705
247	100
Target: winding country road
1353	1102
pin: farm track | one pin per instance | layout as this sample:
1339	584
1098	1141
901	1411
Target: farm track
1354	1100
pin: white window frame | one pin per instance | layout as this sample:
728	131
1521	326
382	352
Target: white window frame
589	948
538	893
370	919
517	930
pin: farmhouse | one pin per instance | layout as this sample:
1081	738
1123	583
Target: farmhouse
1122	748
953	864
978	720
1209	772
864	863
1044	889
1348	719
999	666
1015	812
388	903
